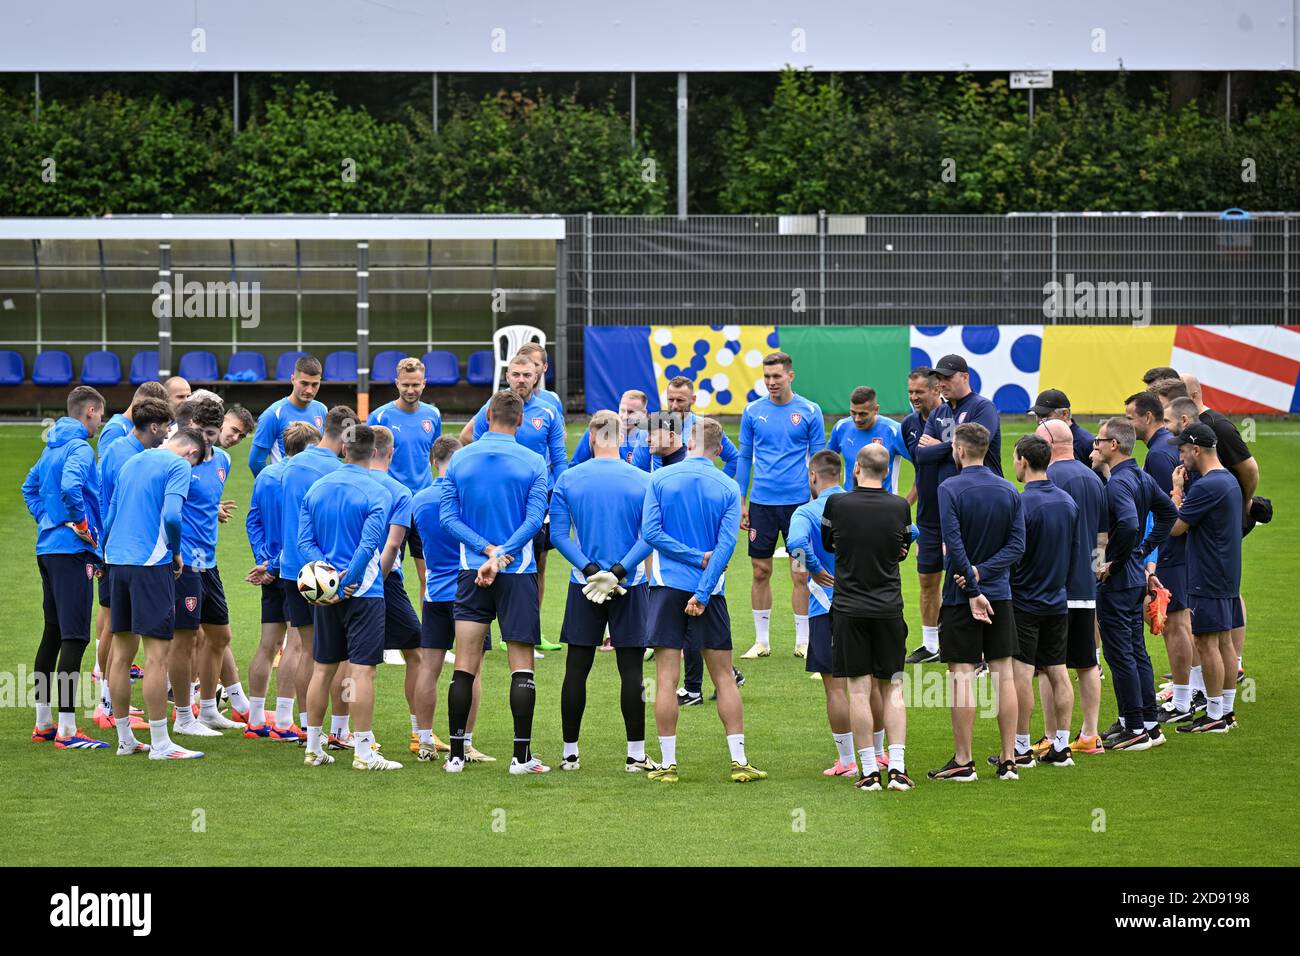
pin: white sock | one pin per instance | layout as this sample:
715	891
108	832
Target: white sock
1099	655
302	718
339	726
67	724
208	709
105	699
800	629
762	625
44	716
235	692
124	736
414	726
1239	667
636	749
867	761
284	712
158	736
736	744
570	749
1150	724
256	711
897	758
469	739
878	741
1229	700
1062	740
668	750
313	739
1198	679
364	741
1214	708
426	736
930	638
1022	743
1123	723
844	747
1182	697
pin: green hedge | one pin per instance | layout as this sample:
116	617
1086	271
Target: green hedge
818	142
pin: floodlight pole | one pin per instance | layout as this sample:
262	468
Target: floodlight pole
632	124
435	104
681	145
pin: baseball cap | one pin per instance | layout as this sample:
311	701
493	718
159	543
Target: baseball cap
1202	436
1050	401
950	365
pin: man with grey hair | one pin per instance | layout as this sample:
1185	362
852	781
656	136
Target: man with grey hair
1131	495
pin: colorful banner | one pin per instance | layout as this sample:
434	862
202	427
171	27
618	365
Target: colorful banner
1243	369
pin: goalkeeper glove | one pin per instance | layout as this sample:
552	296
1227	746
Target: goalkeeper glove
600	586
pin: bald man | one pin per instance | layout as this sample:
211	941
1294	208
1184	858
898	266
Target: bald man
1083	485
1236	457
178	391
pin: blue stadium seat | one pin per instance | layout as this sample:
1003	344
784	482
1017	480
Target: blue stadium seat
340	367
383	367
247	362
52	368
144	368
284	365
12	369
101	368
441	368
481	368
198	367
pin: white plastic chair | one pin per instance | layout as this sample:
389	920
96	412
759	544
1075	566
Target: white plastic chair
506	343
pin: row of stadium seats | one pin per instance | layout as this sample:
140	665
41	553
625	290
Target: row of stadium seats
104	369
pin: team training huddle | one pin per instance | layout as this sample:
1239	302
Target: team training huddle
1021	584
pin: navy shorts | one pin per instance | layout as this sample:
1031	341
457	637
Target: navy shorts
929	550
1174	577
104	588
401	626
585	623
200	599
1042	638
214	610
438	627
144	600
542	540
964	640
1215	614
296	608
352	630
273	609
765	523
510	600
671	626
414	542
1081	638
68	588
820	655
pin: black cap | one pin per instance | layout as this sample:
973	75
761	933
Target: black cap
1050	401
1202	436
950	365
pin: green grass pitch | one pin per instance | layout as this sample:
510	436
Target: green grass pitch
1226	800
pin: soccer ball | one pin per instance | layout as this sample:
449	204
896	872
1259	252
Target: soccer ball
317	582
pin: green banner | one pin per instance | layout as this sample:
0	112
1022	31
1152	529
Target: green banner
830	361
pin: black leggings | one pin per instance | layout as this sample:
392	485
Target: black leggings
573	695
58	666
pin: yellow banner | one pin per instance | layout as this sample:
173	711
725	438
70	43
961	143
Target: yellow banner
1098	366
724	361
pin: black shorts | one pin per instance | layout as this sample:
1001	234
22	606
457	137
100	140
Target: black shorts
68	589
401	626
1081	638
862	646
414	542
273	609
200	599
144	600
542	540
438	627
929	550
1174	577
765	523
585	622
510	600
352	630
296	609
214	611
964	640
1042	638
1215	614
104	589
671	626
820	655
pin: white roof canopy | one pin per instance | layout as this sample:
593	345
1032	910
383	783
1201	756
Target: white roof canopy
166	228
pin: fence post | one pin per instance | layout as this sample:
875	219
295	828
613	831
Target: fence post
586	270
681	145
1286	269
165	319
1054	311
561	323
36	274
821	266
363	330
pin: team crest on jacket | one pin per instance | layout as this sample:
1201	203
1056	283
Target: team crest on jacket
537	422
191	604
795	418
427	426
90	571
221	475
319	423
961	419
877	441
